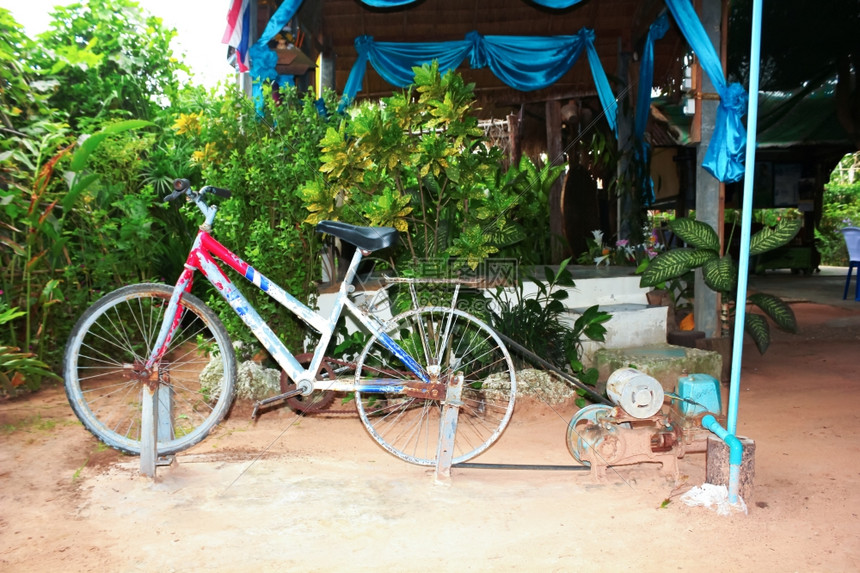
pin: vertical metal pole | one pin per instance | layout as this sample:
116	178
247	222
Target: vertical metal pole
148	431
448	429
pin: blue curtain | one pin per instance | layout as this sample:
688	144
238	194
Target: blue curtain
263	58
646	74
727	148
641	148
557	3
523	62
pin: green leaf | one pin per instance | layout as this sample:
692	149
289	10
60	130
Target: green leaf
695	233
78	188
769	239
720	274
589	376
671	264
7	315
756	326
595	332
776	309
51	292
79	159
18	249
561	267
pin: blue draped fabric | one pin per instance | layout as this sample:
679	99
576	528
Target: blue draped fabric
526	62
530	63
726	150
557	3
646	74
395	3
394	60
523	62
643	105
263	58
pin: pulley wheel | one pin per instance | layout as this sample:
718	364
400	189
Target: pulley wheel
585	430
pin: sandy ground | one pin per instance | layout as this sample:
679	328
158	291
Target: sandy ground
317	494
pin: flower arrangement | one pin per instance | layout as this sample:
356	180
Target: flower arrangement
622	253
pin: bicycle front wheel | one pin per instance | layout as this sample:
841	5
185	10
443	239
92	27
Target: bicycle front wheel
103	369
449	342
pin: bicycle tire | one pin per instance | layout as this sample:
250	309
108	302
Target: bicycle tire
408	427
112	339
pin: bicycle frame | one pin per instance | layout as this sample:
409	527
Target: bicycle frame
203	257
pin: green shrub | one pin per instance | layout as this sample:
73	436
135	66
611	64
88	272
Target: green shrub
263	161
537	323
841	208
419	162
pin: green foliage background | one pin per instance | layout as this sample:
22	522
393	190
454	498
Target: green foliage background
841	208
101	85
263	160
96	128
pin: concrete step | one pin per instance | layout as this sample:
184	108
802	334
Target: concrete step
631	325
615	289
603	286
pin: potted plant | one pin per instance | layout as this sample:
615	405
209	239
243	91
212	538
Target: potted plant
720	273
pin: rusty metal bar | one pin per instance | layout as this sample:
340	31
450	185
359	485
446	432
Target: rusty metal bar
448	429
540	467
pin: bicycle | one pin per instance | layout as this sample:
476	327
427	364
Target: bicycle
415	368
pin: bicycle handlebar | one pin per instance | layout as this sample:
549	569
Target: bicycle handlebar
220	192
183	187
173	196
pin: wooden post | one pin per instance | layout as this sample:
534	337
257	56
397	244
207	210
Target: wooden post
709	204
717	466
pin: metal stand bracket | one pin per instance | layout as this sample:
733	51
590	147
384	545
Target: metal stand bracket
148	431
448	429
156	424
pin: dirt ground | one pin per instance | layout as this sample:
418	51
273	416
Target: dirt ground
317	494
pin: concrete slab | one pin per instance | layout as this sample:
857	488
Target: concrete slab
665	362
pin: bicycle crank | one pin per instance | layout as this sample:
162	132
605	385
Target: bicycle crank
266	401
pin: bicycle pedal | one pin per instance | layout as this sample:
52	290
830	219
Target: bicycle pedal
266	401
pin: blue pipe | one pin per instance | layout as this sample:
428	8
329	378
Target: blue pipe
746	219
709	422
736	451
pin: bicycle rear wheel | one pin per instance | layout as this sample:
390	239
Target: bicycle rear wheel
104	358
455	342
